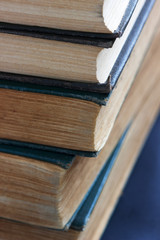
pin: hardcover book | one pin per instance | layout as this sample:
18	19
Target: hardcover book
95	211
79	17
29	54
70	121
55	183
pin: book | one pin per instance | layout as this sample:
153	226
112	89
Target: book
112	189
69	121
62	173
90	16
64	61
57	86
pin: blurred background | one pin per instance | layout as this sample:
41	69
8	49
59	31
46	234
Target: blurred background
137	215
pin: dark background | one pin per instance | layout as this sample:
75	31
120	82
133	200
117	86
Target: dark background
137	215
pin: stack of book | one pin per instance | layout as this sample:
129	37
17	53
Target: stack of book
79	91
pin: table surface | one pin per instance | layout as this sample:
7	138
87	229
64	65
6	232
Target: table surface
137	215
